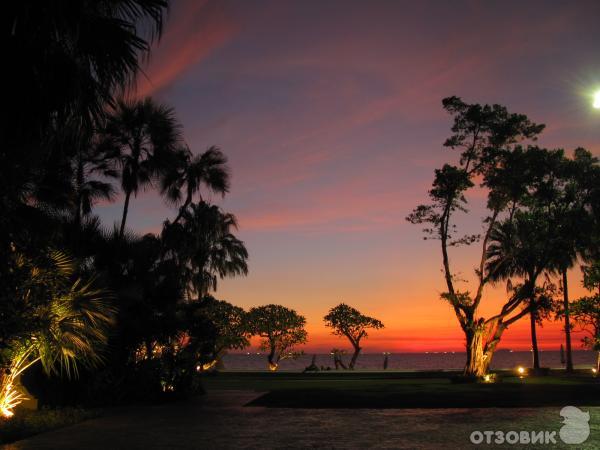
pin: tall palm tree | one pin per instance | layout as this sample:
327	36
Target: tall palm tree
190	172
93	168
204	246
144	137
71	57
68	59
575	208
520	248
564	257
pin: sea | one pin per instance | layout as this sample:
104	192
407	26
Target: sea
503	359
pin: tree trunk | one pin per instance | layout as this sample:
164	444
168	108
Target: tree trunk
182	209
569	367
273	363
357	350
78	215
80	180
477	361
598	365
338	361
125	209
534	343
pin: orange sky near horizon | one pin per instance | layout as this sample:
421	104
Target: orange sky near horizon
330	114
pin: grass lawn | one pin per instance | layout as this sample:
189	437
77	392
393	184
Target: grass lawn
408	390
29	422
409	410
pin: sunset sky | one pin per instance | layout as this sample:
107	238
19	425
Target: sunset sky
330	114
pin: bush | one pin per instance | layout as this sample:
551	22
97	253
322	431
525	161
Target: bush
27	423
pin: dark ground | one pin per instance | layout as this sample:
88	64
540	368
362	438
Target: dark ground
220	419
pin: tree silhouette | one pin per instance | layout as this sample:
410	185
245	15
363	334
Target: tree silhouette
519	247
351	323
280	330
572	195
190	172
228	325
143	137
68	61
92	171
586	310
205	248
487	136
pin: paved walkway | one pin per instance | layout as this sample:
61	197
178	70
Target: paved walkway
220	421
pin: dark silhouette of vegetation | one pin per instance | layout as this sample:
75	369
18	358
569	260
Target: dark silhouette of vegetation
281	330
351	323
585	311
190	172
576	208
205	248
129	314
143	137
533	196
337	358
227	326
519	248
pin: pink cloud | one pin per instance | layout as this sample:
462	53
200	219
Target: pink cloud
196	29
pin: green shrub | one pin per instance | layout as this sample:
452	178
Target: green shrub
26	423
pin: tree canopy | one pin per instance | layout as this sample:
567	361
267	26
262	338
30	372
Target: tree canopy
351	323
280	328
523	185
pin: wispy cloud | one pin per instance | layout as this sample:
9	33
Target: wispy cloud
195	29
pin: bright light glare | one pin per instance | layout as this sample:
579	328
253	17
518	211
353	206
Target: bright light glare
521	370
596	103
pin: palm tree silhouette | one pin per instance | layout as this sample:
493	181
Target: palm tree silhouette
68	60
204	246
143	136
93	168
185	178
519	248
564	256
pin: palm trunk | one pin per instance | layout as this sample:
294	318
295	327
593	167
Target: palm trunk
357	350
80	180
182	209
534	343
598	364
78	216
569	367
125	210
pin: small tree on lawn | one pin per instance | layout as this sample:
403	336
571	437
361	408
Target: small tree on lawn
349	322
228	329
280	328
